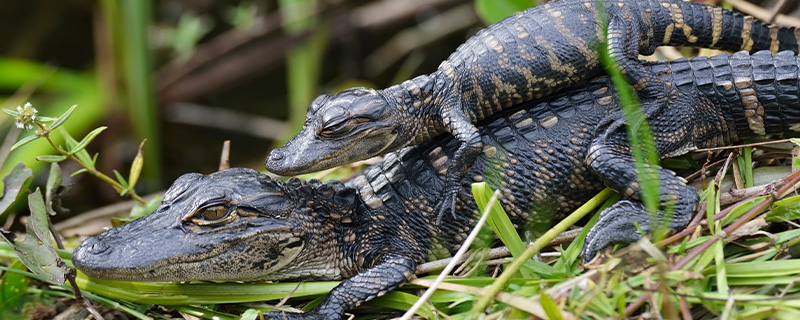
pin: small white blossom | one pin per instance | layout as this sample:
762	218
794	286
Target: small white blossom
27	116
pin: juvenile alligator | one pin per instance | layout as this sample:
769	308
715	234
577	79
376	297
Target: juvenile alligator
529	55
547	158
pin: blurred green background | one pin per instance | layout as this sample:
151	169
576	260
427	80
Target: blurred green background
188	74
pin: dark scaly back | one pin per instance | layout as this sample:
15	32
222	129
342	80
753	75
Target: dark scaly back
553	46
529	156
535	153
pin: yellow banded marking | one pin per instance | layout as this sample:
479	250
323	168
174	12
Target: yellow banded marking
716	24
747	28
668	33
773	36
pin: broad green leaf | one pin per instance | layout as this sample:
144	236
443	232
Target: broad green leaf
138	211
491	11
52	158
13	183
63	118
36	251
13	286
53	183
87	139
24	141
785	210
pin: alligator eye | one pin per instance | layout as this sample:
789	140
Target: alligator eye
214	213
337	127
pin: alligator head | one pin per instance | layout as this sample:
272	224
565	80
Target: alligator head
235	224
352	125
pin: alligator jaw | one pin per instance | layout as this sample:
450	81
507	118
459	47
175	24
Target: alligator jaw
125	254
306	153
232	225
352	125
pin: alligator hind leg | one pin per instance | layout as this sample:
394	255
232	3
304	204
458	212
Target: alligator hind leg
614	165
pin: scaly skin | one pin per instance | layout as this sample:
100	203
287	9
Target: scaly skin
547	158
529	55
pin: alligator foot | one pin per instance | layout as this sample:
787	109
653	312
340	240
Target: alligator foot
614	165
279	315
462	162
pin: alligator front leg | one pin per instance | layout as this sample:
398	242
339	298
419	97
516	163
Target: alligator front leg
614	165
460	126
389	273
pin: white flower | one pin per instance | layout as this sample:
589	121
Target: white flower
27	116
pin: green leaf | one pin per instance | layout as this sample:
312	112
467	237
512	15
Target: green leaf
11	112
139	210
785	210
78	172
491	11
499	222
122	181
52	158
550	307
82	155
402	301
63	118
498	219
53	183
13	287
250	314
17	180
36	251
87	139
741	209
24	141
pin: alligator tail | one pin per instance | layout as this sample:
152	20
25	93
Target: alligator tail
758	93
699	25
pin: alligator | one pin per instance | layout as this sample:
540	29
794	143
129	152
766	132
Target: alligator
531	54
547	158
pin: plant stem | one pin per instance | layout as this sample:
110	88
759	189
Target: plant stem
45	132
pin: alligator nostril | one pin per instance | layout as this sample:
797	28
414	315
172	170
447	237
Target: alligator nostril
276	155
97	248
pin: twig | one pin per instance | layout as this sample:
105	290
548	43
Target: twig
494	253
739	146
762	13
230	120
224	158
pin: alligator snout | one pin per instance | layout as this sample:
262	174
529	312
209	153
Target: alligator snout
85	255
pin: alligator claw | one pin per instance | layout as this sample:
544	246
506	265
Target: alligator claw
447	200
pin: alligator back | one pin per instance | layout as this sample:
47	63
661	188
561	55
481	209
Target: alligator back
537	154
553	46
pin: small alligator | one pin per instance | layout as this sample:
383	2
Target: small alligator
531	54
547	158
